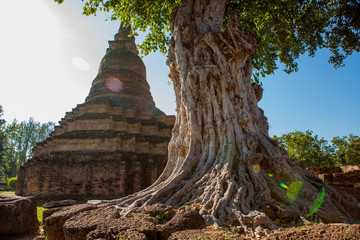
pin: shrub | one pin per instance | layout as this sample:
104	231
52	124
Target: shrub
163	217
12	183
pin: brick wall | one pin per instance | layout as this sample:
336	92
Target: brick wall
345	178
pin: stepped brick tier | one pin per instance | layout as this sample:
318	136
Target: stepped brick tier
112	145
345	178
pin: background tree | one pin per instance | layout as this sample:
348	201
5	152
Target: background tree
220	155
313	151
2	143
347	150
19	140
29	133
9	162
307	149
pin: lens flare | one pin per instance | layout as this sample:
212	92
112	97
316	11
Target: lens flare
315	206
256	168
80	63
294	190
114	84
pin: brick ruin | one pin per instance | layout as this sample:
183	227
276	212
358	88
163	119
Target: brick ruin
345	178
113	144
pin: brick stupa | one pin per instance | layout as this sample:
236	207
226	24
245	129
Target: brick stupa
112	145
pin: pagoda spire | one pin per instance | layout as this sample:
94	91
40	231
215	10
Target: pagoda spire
124	38
121	79
123	32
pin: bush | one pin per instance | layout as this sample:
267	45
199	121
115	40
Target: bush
12	183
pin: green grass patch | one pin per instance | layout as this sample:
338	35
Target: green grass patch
7	193
40	211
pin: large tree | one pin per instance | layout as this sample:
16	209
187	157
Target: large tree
220	155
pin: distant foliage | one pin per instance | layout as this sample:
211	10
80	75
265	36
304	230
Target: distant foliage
17	141
314	151
12	183
347	150
2	143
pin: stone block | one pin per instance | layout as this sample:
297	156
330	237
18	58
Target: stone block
54	223
18	215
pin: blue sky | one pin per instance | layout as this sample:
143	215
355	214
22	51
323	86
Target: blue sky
318	97
50	54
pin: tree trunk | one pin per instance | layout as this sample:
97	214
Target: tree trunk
220	155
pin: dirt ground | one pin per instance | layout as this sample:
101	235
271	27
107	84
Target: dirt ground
107	224
321	231
159	222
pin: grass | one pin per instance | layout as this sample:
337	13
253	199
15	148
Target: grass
7	193
40	211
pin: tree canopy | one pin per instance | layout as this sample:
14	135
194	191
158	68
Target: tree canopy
2	134
347	150
283	29
17	141
314	151
307	148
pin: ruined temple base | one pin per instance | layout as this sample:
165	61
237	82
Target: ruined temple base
345	178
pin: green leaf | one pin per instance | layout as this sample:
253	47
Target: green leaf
284	30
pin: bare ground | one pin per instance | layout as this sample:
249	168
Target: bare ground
152	225
321	231
159	222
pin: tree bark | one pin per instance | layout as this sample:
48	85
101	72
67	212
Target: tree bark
220	155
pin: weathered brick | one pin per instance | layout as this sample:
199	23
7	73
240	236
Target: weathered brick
113	144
